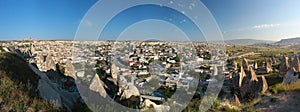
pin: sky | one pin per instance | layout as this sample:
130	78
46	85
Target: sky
237	19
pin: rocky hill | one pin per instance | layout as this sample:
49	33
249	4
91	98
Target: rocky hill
18	86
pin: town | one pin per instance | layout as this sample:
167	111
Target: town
145	74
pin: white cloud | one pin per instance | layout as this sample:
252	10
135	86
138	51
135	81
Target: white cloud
265	26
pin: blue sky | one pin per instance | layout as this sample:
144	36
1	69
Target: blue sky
237	19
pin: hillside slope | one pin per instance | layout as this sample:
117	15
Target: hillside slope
289	41
247	41
18	86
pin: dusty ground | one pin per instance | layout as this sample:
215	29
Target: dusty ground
283	102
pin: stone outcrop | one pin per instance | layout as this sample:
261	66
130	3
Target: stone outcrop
284	66
265	84
48	93
69	69
242	74
248	83
49	64
40	58
114	71
288	67
245	64
158	108
290	77
296	64
255	65
268	66
52	91
98	86
122	82
130	91
252	75
45	64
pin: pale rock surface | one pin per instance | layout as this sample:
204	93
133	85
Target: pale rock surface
158	108
114	71
69	69
265	84
130	91
50	64
98	86
242	74
268	66
245	64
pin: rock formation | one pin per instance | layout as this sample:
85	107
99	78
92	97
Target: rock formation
252	75
158	108
98	86
114	71
49	64
245	64
242	74
130	91
69	69
122	82
40	58
290	77
255	65
296	64
265	84
284	66
268	66
248	83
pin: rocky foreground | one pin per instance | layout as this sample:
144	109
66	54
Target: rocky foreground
19	86
281	102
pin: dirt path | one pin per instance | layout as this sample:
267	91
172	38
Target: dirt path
283	102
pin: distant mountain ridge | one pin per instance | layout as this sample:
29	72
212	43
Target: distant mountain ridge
289	41
247	41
